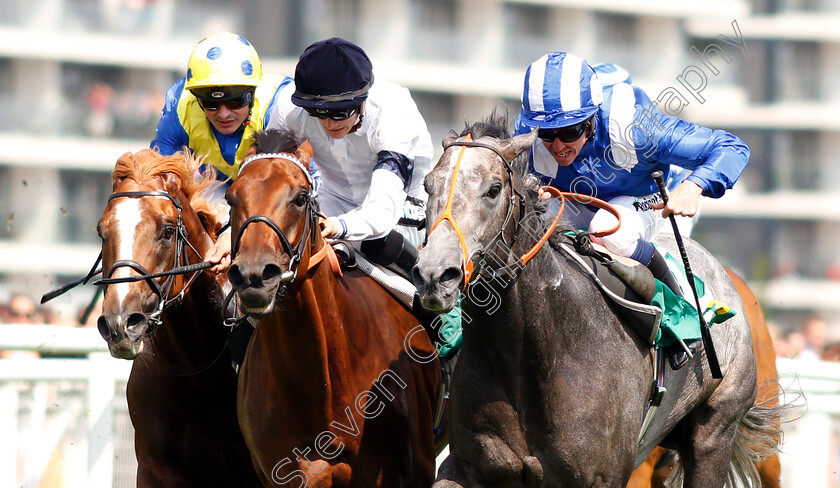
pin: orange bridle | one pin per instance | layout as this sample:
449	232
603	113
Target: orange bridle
467	262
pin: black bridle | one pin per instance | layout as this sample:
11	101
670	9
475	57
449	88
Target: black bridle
295	252
162	291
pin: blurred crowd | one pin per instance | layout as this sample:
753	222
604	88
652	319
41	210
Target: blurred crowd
120	113
20	308
813	340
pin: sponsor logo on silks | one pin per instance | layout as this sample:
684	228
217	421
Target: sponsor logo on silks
643	204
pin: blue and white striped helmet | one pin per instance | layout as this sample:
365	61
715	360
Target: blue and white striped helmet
561	89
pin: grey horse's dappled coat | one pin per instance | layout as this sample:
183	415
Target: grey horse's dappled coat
551	386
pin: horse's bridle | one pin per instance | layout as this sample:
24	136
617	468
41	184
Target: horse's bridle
162	291
295	252
467	260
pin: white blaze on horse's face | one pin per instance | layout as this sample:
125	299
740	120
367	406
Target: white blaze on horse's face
127	217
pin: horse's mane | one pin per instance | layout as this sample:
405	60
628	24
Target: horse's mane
275	141
149	163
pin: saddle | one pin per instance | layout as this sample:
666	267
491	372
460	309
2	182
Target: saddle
628	284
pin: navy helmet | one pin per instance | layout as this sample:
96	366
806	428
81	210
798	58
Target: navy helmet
333	74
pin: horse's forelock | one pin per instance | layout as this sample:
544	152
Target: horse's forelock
148	163
275	141
495	125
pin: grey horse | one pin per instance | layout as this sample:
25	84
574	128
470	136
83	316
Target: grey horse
551	385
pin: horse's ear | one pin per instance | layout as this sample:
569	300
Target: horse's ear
171	183
304	152
251	151
515	145
447	141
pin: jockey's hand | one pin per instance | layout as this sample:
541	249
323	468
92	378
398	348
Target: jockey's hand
219	254
684	200
329	228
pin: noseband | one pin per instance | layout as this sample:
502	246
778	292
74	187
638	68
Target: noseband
162	291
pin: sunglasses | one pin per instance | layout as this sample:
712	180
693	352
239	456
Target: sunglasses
565	134
331	114
231	103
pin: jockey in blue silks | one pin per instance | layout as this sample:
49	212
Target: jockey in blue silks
605	139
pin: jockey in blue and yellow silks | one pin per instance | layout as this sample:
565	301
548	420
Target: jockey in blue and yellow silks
206	109
183	123
214	109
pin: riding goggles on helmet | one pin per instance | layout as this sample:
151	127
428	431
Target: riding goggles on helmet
333	114
234	103
565	134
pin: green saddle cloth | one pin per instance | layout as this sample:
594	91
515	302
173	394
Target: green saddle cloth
679	317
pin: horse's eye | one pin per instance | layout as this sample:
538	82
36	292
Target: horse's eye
168	232
99	231
494	190
301	199
428	186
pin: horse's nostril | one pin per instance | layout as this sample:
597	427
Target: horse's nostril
235	276
450	274
417	278
104	329
135	324
271	271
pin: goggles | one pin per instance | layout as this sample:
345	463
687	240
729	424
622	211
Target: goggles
231	103
565	134
323	113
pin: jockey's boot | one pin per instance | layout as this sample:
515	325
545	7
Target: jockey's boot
677	354
392	251
346	254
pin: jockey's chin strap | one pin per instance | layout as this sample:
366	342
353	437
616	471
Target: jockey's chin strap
161	290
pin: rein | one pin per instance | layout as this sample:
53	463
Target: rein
467	260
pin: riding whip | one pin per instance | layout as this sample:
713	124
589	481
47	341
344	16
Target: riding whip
705	333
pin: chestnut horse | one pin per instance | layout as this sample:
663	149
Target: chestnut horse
182	389
339	382
552	383
646	476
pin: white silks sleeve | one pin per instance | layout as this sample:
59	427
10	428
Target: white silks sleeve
379	212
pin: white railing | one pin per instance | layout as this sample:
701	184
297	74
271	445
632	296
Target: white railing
64	422
811	445
63	419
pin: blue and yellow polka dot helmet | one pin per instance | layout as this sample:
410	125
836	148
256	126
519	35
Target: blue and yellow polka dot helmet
223	59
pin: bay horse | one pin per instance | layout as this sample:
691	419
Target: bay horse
769	469
552	384
181	392
339	383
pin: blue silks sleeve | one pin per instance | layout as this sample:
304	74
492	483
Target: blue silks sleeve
716	157
170	136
